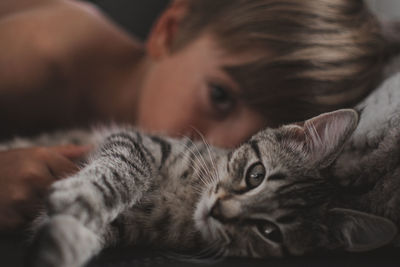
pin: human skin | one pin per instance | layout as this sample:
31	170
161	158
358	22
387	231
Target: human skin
23	189
64	64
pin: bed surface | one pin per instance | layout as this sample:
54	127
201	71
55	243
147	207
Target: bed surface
14	247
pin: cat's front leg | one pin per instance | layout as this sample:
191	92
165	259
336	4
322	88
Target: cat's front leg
119	173
95	196
117	176
63	241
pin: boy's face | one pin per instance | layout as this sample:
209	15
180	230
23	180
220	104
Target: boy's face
189	91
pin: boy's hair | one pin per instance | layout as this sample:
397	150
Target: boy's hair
314	55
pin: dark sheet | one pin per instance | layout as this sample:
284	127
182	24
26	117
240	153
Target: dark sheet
14	247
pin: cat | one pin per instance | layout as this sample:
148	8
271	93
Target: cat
326	184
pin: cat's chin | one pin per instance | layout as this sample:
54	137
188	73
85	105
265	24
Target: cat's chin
204	223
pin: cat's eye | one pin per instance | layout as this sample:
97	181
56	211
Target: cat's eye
270	231
255	175
221	99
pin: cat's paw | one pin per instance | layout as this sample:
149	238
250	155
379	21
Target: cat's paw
75	197
62	242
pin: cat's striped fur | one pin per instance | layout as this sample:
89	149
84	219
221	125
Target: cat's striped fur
136	189
285	191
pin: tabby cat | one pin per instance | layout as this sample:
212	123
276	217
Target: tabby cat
324	184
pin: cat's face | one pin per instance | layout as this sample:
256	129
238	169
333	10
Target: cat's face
256	200
271	199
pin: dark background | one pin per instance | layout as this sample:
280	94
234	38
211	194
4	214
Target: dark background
136	17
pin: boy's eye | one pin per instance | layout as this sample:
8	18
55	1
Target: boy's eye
221	99
255	175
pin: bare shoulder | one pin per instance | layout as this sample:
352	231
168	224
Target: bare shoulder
86	27
42	40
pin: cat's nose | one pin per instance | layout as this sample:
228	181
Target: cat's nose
226	210
215	211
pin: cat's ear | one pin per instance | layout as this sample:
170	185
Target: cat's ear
359	231
326	134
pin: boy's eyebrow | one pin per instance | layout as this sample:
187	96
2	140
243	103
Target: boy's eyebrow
229	80
255	85
240	75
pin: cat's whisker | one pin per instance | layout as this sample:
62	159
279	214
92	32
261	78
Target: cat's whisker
252	250
225	235
197	189
187	154
208	255
215	175
209	174
219	255
200	169
201	175
200	160
207	252
199	153
211	254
